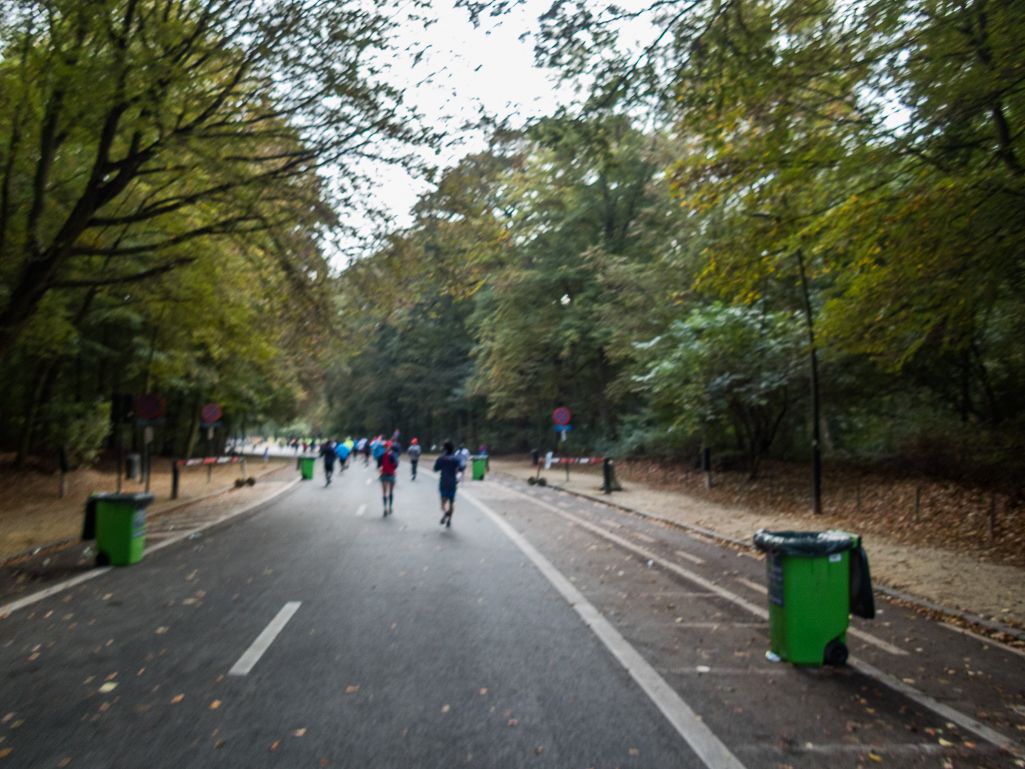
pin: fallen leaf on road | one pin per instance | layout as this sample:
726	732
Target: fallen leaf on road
108	596
64	762
324	762
513	722
444	708
143	708
483	691
275	745
215	704
969	744
539	750
5	752
352	689
874	757
909	680
299	732
161	630
109	686
177	698
112	676
946	743
88	680
17	723
219	744
634	752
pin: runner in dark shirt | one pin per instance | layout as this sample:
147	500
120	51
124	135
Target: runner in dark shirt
448	466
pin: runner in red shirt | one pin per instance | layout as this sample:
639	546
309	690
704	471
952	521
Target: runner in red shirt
388	463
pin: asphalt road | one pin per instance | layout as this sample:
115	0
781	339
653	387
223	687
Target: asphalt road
534	632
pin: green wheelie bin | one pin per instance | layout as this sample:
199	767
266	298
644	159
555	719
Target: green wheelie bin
480	466
307	464
121	527
816	580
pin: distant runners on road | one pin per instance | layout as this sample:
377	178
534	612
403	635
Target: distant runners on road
449	467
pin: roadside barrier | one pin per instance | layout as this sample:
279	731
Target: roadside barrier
209	462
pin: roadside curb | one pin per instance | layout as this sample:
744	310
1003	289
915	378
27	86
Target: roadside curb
57	543
7	609
883	589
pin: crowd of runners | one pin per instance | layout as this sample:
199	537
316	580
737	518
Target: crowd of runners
386	454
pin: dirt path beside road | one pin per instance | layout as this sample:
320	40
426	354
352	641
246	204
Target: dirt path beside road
31	514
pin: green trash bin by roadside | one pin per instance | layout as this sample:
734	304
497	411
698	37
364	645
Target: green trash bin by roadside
816	580
306	465
480	466
121	527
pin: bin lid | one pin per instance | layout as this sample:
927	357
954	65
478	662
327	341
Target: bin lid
808	544
138	500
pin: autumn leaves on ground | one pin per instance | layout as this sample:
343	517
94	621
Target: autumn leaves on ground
33	514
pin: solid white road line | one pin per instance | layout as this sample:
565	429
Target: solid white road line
35	597
21	603
701	739
983	639
264	640
875	641
921	698
362	509
965	722
688	557
753	585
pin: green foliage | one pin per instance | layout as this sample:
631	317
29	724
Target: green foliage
734	367
79	428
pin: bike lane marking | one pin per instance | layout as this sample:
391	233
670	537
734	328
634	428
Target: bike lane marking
967	722
712	752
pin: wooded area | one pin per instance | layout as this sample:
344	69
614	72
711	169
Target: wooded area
754	185
762	183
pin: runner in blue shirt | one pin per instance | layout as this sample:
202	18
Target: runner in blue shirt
448	466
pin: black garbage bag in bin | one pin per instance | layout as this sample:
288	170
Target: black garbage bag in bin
862	602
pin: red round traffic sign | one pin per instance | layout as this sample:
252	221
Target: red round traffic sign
149	406
211	412
561	416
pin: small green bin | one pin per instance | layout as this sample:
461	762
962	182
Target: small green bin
307	465
480	466
121	527
815	581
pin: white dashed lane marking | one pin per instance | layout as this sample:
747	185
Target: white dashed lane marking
263	641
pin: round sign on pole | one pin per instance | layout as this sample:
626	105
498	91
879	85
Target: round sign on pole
211	412
149	406
561	416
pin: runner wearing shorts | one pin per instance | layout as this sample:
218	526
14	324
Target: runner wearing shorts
388	463
448	466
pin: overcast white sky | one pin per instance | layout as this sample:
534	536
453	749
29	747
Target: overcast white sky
464	69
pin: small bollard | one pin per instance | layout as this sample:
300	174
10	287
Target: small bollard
175	479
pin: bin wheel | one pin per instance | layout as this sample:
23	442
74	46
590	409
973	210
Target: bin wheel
835	653
531	480
102	559
542	481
